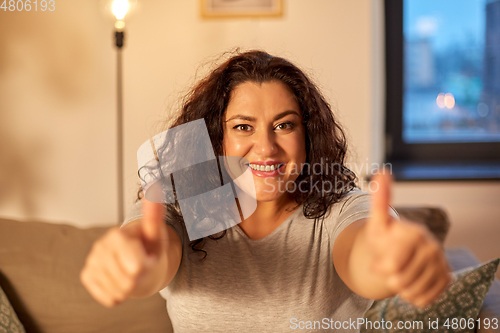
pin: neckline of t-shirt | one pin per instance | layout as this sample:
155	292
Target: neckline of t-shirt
274	232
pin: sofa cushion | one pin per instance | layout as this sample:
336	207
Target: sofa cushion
460	258
456	310
40	264
9	323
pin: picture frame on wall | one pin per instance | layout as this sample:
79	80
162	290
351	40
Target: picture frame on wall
241	8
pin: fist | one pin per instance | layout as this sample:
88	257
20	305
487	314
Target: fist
121	259
406	254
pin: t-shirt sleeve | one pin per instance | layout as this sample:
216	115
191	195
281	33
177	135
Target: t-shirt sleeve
135	213
354	206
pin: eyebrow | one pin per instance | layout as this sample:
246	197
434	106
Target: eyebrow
278	116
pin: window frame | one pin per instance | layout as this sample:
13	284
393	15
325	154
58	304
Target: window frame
399	153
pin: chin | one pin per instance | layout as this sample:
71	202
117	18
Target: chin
269	190
264	196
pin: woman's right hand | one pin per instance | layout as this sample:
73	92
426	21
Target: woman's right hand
129	261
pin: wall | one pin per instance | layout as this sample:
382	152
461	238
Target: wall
57	115
57	101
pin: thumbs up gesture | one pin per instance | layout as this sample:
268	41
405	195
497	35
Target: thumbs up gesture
129	261
405	254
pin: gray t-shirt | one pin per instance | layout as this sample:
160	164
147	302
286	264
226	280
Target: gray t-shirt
283	282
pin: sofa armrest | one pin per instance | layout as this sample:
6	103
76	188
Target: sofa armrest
40	265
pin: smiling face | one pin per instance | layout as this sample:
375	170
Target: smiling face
263	124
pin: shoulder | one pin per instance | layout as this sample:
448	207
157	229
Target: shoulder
356	205
353	206
354	201
134	213
354	197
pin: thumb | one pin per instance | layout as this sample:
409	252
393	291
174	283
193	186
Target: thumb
381	199
152	226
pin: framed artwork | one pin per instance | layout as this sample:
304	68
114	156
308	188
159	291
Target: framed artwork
241	8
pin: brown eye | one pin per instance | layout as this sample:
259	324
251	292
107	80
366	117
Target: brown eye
242	127
284	126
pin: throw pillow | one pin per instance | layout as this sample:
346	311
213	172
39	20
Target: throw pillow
9	323
456	310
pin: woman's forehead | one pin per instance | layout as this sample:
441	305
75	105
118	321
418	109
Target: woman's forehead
266	98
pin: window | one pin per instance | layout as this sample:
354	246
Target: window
443	88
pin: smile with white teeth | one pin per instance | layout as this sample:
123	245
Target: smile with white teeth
259	167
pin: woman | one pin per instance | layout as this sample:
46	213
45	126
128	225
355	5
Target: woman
316	250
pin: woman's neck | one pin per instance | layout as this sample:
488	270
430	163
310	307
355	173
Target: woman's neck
267	217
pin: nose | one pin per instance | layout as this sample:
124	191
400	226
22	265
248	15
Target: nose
265	144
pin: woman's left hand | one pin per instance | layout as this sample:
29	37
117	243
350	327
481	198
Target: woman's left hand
406	254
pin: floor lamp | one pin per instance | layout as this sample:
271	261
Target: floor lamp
119	36
119	9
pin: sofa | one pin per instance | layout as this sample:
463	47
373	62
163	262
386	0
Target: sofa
39	273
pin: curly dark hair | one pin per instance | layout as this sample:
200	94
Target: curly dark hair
325	139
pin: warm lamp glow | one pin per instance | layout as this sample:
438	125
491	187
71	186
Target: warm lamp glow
119	12
119	25
440	101
120	8
449	100
445	101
